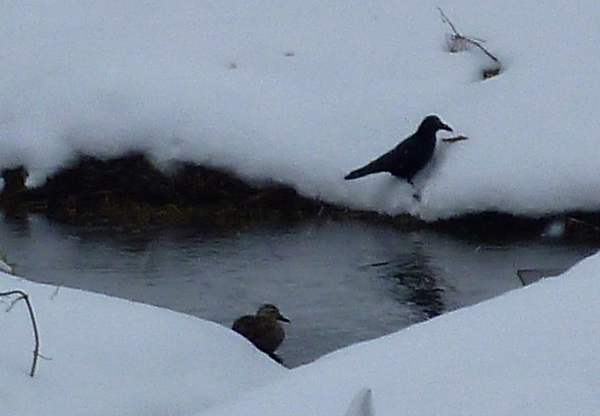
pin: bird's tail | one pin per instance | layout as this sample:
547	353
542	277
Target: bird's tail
364	171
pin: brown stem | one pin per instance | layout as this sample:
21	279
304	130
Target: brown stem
446	20
36	334
472	41
455	139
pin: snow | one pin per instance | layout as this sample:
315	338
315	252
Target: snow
108	356
4	267
304	92
532	351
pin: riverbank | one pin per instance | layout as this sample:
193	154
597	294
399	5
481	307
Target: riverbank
131	192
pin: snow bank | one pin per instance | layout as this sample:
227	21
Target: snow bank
303	92
110	356
531	351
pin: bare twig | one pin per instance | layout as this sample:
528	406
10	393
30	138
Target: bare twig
448	21
55	293
455	139
36	334
584	223
456	36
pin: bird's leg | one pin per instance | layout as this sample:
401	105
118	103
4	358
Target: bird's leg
416	195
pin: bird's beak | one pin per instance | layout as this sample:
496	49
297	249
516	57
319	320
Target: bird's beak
445	127
282	318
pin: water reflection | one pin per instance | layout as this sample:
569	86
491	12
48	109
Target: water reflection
339	283
415	281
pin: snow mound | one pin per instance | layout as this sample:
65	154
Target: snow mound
302	93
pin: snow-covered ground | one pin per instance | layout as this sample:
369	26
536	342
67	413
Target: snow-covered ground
533	351
113	357
303	92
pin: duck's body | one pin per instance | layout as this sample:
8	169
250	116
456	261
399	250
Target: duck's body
262	329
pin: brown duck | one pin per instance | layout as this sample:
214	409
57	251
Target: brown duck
262	329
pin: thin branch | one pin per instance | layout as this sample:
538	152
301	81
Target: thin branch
584	223
455	139
55	293
36	334
448	21
470	40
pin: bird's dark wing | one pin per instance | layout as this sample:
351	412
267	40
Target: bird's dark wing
391	161
246	325
260	332
405	148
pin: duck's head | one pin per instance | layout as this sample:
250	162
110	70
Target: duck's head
271	311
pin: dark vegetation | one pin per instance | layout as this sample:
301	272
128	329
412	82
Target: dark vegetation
129	192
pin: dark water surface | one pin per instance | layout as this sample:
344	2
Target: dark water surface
339	283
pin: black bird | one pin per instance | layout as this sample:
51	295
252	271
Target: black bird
410	156
263	329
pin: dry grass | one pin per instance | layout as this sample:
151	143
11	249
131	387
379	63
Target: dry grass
130	192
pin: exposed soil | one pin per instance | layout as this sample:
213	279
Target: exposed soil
131	192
